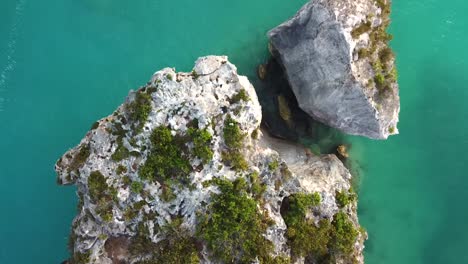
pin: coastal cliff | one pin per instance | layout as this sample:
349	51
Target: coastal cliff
182	173
339	65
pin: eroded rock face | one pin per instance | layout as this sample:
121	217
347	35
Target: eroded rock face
150	176
337	60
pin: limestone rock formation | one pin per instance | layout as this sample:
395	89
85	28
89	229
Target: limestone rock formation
181	173
336	57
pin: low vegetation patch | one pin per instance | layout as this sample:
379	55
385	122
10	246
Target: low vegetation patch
120	153
273	165
139	109
234	140
102	195
234	227
80	158
257	188
80	257
361	29
323	241
202	141
177	247
344	234
97	186
121	169
343	198
136	187
240	96
378	51
303	236
167	158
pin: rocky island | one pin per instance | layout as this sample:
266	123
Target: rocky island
182	172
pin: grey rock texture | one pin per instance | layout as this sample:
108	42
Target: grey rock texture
177	99
333	80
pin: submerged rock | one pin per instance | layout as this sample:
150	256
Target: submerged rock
180	173
339	65
342	150
261	71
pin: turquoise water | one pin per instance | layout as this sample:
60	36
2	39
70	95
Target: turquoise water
415	185
64	64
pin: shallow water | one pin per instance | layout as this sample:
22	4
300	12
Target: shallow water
64	64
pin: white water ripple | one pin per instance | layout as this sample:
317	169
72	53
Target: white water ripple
10	51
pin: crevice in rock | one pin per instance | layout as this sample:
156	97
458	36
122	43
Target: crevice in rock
282	117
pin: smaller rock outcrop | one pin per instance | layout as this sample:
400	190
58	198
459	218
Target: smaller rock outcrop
339	65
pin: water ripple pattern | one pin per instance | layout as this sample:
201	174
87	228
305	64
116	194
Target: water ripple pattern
10	51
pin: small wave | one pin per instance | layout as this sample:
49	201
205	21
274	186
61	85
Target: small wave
11	49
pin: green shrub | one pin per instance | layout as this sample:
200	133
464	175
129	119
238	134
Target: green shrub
273	165
202	140
391	130
234	228
299	203
275	260
80	258
362	53
121	169
379	49
344	198
195	74
386	55
177	246
80	158
361	29
132	211
136	187
240	96
234	139
235	159
169	76
141	244
379	80
126	180
344	234
139	109
120	153
303	236
233	136
385	6
393	74
255	134
106	213
256	187
97	186
167	194
102	195
166	159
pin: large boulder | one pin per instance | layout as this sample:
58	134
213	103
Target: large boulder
336	57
